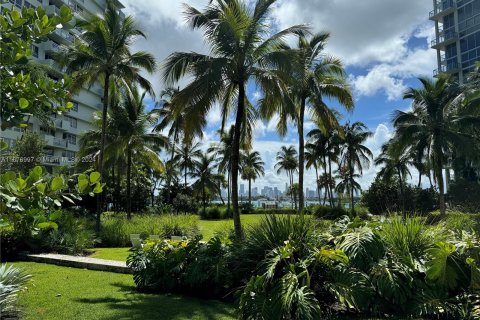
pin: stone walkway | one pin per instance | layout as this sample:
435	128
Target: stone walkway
79	262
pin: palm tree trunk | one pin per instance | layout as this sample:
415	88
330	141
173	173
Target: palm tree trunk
114	201
106	87
330	178
419	178
351	192
204	201
250	193
404	214
236	159
441	190
318	185
129	191
229	187
301	158
185	174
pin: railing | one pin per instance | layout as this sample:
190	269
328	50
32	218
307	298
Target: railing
441	6
59	142
64	34
444	38
448	67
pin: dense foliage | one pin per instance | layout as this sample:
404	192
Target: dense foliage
291	268
116	228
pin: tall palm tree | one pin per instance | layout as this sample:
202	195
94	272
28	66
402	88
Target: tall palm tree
439	123
314	158
287	160
135	141
354	155
241	52
186	156
314	77
102	52
252	167
327	144
395	161
223	151
348	184
208	182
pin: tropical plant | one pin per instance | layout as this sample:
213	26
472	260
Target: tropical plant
187	155
242	50
354	156
27	152
208	183
19	97
134	139
314	77
287	161
222	151
251	167
102	52
438	124
12	281
395	161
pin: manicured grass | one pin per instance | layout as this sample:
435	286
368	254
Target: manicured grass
60	293
208	228
119	254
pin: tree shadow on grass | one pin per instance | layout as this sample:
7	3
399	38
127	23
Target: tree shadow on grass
134	305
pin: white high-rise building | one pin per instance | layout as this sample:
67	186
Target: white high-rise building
62	139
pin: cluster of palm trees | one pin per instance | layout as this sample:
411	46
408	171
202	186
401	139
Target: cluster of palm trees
340	151
441	126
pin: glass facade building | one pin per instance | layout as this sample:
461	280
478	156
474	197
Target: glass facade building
457	36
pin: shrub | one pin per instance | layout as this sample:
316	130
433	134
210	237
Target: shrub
211	213
463	195
331	213
116	229
246	208
72	236
184	203
189	266
12	281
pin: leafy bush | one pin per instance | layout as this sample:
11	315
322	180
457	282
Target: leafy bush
246	208
189	266
214	213
73	235
384	197
331	213
116	229
463	195
275	211
12	281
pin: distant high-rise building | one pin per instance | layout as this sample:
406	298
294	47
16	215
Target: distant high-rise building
242	189
62	138
457	36
255	192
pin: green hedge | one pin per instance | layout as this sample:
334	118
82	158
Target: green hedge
214	213
116	229
329	213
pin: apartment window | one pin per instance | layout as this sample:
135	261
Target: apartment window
28	4
35	51
18	3
48	56
47	131
71	138
72	121
48	151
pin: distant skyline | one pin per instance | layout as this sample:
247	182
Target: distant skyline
384	45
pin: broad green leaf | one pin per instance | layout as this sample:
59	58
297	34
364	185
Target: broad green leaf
47	225
57	183
55	215
21	183
57	203
23	103
41	187
98	188
94	177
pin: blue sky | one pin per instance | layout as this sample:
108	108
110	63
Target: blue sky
383	44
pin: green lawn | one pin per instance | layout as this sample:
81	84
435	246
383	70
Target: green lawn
119	254
67	293
208	228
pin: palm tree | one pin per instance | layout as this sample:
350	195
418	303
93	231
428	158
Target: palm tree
313	158
186	156
208	182
439	123
134	139
395	161
327	144
348	184
223	151
102	53
240	53
315	76
252	167
354	155
287	160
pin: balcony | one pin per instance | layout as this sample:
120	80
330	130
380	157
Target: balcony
50	160
442	8
51	47
52	10
450	67
443	40
62	36
60	124
51	141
